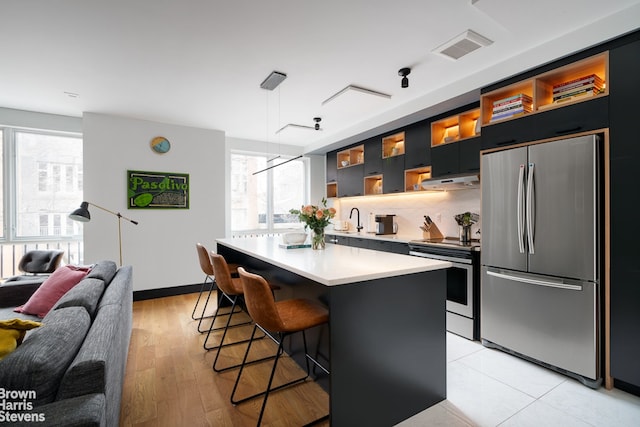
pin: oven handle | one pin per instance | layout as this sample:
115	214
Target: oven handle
460	261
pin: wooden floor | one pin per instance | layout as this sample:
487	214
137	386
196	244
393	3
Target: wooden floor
169	380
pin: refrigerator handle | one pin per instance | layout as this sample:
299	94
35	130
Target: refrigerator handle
520	202
530	210
548	282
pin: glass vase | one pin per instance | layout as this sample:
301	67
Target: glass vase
317	239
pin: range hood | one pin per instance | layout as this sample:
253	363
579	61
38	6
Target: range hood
457	182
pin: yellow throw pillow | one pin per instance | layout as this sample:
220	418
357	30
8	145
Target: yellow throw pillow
12	333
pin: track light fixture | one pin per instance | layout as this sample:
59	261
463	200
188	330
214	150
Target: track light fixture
317	120
404	72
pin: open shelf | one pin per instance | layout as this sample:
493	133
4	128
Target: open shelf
540	88
455	128
373	185
413	178
351	156
332	189
393	145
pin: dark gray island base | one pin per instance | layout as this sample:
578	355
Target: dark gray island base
385	343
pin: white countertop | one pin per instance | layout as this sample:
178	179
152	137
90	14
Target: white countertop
335	265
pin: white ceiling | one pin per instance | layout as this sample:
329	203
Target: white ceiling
200	62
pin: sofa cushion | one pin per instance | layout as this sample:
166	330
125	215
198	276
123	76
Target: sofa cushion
45	354
103	270
82	411
12	333
52	290
85	294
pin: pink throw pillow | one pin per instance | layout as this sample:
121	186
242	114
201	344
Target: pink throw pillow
52	289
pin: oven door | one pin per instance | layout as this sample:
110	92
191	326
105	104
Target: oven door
459	283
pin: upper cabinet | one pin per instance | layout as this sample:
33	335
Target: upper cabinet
417	146
372	157
455	128
350	157
580	81
569	99
393	145
393	155
455	144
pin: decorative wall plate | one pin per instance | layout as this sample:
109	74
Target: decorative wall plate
160	144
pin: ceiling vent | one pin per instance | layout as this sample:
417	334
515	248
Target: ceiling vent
462	44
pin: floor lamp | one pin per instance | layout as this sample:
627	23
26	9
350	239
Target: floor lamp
82	214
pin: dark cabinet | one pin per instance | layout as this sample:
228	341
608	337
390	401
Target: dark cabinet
624	92
359	242
566	120
417	146
387	246
372	157
510	132
470	155
351	181
574	118
367	243
332	166
445	159
393	174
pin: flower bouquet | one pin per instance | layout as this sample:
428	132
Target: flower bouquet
316	218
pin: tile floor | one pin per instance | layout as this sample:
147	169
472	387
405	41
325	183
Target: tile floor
487	387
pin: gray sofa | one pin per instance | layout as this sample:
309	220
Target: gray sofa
73	365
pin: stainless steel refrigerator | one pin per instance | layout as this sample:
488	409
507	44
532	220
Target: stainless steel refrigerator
541	254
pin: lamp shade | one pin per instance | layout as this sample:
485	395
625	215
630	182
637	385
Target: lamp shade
81	214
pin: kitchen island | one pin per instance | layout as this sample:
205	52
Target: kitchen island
385	344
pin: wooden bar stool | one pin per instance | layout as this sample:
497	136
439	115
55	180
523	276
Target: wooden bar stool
283	318
209	279
231	289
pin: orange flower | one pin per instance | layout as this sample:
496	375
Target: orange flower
332	212
319	214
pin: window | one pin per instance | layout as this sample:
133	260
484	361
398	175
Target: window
43	184
45	192
261	202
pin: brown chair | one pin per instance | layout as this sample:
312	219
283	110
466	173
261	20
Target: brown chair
282	318
209	279
231	290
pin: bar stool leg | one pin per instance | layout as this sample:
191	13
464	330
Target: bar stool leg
195	307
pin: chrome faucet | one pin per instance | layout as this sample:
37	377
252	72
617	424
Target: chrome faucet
358	226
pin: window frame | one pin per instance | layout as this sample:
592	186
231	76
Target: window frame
10	182
269	229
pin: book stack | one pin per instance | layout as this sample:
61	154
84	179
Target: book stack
577	88
511	106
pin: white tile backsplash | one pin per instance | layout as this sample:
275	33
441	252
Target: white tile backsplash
410	208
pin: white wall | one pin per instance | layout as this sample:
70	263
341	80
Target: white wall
161	248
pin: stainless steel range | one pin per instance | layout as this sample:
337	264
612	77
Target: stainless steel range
463	295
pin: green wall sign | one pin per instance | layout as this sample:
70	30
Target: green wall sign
157	190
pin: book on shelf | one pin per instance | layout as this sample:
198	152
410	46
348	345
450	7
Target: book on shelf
583	83
510	113
514	98
578	91
574	89
511	106
584	79
296	246
569	98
